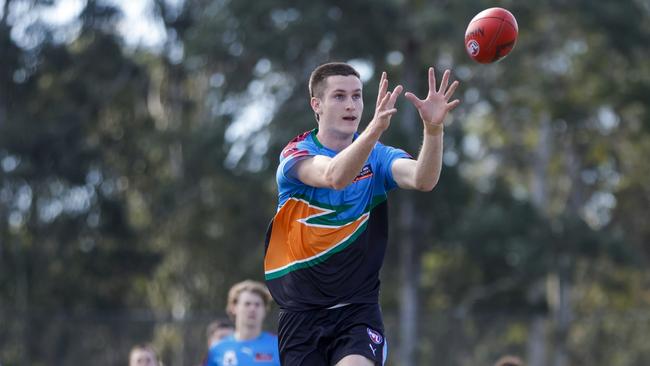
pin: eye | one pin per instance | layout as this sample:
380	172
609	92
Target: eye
339	96
356	97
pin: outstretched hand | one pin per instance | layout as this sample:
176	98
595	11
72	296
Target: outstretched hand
436	105
385	107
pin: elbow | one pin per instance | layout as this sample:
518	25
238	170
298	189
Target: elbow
426	186
336	183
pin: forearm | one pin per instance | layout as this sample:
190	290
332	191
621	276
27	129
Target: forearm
347	164
429	162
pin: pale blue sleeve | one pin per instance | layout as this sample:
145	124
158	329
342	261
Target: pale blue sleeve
288	159
386	156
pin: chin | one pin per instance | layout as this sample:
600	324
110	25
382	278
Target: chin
349	130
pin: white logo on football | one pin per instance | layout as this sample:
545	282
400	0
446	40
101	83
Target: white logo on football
473	47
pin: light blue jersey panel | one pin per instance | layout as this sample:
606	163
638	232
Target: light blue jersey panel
262	351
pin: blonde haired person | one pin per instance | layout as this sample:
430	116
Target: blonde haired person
248	304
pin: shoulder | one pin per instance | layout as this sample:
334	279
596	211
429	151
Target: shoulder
381	148
269	335
298	146
268	339
386	151
225	344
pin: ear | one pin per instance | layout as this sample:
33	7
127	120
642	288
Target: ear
315	105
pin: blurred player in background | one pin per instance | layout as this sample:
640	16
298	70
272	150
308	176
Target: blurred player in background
218	330
215	332
509	360
143	355
248	303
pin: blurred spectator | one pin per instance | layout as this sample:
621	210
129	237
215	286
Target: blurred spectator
218	330
143	355
248	303
215	332
509	361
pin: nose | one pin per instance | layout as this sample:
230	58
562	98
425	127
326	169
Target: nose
349	105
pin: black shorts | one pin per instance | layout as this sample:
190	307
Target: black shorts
324	337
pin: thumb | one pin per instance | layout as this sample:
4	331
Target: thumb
412	98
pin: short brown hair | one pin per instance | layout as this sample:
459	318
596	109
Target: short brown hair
319	76
221	323
247	285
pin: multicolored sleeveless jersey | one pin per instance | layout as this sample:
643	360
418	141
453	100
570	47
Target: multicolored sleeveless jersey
325	247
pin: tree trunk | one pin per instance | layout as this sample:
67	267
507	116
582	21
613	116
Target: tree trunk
541	159
409	258
22	302
563	309
537	347
562	313
5	31
409	273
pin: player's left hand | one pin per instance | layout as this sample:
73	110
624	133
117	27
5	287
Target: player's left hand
436	105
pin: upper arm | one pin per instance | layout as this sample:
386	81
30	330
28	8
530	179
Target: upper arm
404	172
312	171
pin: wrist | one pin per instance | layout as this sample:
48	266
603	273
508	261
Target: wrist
434	130
374	128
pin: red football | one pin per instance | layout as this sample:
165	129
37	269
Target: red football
491	35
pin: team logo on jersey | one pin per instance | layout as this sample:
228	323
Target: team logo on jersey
375	337
263	357
230	358
373	349
366	172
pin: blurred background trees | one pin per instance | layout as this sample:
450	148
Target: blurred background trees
136	181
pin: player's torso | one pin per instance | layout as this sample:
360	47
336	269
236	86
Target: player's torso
247	353
327	245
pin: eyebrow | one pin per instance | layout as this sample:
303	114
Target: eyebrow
345	91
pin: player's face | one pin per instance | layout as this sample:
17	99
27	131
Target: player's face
341	104
250	309
142	358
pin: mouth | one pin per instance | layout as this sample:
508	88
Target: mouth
350	118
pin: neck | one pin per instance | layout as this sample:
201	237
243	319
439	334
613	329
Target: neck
334	140
247	333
